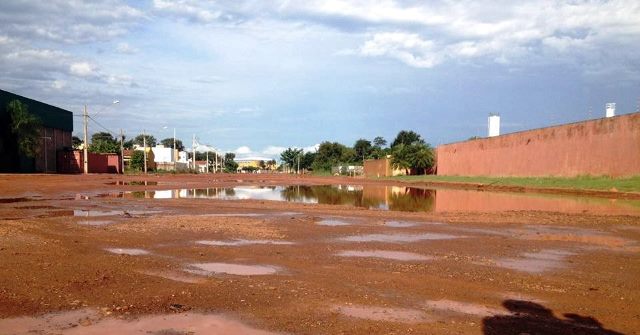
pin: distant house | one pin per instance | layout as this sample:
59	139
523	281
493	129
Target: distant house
258	164
57	126
381	168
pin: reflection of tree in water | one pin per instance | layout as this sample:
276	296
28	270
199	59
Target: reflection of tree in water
413	200
229	192
324	194
531	318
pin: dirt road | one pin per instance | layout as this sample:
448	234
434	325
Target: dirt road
90	254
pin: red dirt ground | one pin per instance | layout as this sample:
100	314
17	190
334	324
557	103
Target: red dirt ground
493	272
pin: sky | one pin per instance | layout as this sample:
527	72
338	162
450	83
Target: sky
254	77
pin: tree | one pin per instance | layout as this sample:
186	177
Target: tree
407	138
401	157
128	144
137	160
330	154
379	142
76	142
25	127
363	149
290	156
168	143
151	141
307	160
423	158
230	166
103	142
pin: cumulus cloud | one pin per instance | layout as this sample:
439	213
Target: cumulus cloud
125	48
243	150
82	69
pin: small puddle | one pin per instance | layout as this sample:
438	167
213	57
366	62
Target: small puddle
388	314
125	251
400	224
450	306
89	321
397	238
394	255
235	243
333	222
208	269
133	183
175	276
537	262
92	212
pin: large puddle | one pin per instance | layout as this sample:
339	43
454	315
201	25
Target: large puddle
401	198
209	269
93	322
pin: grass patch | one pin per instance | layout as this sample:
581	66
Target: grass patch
630	184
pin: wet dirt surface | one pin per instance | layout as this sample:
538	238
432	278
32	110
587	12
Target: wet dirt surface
257	266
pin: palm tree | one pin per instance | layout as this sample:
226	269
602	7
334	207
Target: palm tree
423	158
25	127
401	158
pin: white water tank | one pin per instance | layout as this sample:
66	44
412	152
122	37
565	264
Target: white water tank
610	109
494	125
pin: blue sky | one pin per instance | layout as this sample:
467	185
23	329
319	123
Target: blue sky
255	77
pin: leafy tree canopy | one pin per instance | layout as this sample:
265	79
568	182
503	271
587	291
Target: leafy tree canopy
151	141
168	143
379	142
363	149
407	137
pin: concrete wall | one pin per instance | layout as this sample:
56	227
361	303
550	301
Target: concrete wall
380	168
608	146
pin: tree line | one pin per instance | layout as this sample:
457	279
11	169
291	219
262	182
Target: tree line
408	152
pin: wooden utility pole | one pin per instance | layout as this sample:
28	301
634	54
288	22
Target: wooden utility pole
86	141
144	149
121	151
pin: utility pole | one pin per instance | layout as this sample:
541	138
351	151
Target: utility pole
215	167
144	149
298	163
121	151
173	153
193	151
207	160
86	141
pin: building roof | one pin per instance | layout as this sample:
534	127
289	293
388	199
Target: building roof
51	116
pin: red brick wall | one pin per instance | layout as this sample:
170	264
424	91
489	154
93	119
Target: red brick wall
607	146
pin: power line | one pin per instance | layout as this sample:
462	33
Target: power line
103	127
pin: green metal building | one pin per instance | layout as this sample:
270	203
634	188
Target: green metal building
57	126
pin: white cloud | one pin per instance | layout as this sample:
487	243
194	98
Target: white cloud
273	150
58	84
408	48
125	48
82	69
243	150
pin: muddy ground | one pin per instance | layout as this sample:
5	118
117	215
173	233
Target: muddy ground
78	257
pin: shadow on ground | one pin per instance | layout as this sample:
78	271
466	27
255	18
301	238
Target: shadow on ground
534	319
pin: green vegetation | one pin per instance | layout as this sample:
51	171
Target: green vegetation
230	165
137	161
168	143
25	127
631	184
103	142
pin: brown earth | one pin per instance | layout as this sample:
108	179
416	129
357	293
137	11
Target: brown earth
506	272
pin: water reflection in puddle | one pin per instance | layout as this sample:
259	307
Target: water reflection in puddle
93	212
388	314
88	321
397	238
175	276
333	222
394	255
125	251
400	224
241	242
402	198
232	269
537	262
